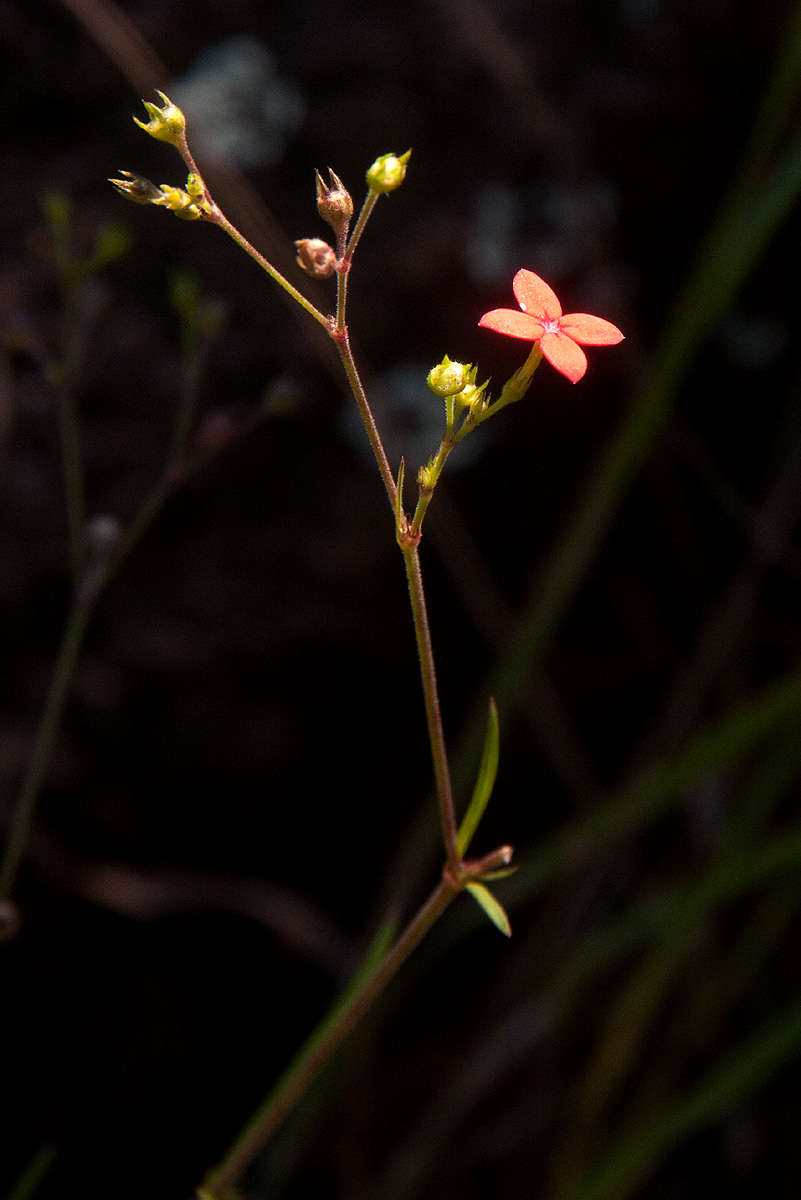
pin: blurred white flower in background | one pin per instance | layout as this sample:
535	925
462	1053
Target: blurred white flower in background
239	108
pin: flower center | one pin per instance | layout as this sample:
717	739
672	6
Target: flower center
551	325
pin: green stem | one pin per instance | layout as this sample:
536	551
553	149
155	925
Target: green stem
73	478
370	201
513	390
417	596
436	737
95	580
343	272
432	479
345	256
77	320
307	1067
50	720
517	385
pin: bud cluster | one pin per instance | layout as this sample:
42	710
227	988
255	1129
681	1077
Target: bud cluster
456	382
189	204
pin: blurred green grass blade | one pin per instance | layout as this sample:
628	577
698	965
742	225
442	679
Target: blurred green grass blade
485	781
742	1072
658	787
494	910
28	1182
693	901
633	1009
755	208
762	934
687	903
626	1022
778	100
770	780
692	1023
375	952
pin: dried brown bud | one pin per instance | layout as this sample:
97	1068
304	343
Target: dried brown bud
334	202
315	257
137	188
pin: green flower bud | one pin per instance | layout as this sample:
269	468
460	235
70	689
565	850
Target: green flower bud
388	172
472	397
195	186
447	378
166	124
315	257
179	202
427	476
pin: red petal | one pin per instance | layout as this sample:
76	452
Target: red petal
590	331
563	353
512	323
535	297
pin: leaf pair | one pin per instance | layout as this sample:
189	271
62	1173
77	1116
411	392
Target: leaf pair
485	781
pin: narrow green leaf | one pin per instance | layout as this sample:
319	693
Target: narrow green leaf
485	782
399	494
495	911
33	1174
730	1083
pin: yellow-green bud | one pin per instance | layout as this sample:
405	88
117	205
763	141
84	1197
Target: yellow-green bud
334	202
179	202
426	476
388	172
195	186
471	396
447	378
315	257
167	124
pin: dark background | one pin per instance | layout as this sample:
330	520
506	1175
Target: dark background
241	783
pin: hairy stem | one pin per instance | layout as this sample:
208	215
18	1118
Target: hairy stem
436	736
419	613
342	342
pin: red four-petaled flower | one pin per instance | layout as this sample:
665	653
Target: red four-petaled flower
560	337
